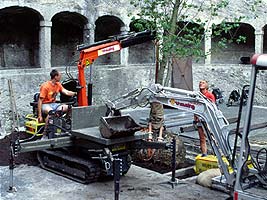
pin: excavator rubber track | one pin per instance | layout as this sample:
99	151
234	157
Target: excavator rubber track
69	165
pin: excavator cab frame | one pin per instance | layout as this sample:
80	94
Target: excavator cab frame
241	192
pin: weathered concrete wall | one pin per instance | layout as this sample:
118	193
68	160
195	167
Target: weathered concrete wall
232	54
142	53
228	77
91	11
111	81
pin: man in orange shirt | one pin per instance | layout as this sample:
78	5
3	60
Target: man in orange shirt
48	93
204	89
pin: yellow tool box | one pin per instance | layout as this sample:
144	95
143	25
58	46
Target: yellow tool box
32	125
211	161
207	162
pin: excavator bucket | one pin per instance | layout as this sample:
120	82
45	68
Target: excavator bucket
118	126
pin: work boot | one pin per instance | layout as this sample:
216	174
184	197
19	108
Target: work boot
160	139
150	136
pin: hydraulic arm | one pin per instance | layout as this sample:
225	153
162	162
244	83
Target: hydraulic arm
215	123
239	177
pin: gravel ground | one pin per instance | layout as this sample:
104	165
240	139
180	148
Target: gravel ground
35	183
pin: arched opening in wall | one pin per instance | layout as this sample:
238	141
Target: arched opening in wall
141	53
67	33
105	27
265	39
234	47
19	37
190	41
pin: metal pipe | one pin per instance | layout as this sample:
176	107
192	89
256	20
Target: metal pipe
15	125
173	179
117	169
243	148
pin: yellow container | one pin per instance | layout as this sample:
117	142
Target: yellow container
211	161
208	162
32	125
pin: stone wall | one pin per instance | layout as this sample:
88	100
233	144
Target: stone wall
229	77
111	81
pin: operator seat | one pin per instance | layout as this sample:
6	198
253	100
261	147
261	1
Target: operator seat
34	104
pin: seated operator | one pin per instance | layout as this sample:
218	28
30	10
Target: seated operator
48	93
204	89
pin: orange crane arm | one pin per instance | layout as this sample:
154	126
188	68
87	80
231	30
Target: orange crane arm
89	53
87	57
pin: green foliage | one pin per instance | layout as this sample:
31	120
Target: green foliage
141	25
180	25
187	39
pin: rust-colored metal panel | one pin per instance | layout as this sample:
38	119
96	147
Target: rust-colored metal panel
182	73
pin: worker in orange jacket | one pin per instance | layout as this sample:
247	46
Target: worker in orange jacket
204	89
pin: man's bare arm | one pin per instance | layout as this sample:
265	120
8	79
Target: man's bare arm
68	93
40	103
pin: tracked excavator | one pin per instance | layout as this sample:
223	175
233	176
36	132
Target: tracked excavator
103	142
82	144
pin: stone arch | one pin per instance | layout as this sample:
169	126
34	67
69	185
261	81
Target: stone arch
264	29
142	53
235	52
66	33
106	26
19	37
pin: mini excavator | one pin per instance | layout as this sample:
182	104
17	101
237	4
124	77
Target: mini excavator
244	175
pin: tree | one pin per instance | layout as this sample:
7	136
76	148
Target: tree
181	26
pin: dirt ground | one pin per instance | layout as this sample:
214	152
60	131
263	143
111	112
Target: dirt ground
25	158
